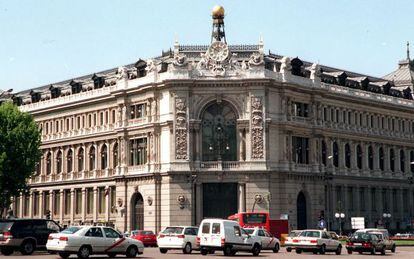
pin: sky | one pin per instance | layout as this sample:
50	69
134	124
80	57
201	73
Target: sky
48	41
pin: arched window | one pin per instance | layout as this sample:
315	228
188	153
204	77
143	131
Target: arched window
402	161
370	158
335	154
347	156
92	158
104	157
381	158
323	152
412	161
48	163
219	140
115	155
359	157
59	162
81	159
392	160
69	161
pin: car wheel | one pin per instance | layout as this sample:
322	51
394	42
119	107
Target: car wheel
288	249
111	255
163	250
349	251
276	248
322	250
84	252
64	255
6	251
315	252
227	250
28	247
383	251
338	250
360	252
298	251
203	251
393	249
256	249
132	251
373	251
187	249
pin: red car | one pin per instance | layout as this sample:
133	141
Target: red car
147	237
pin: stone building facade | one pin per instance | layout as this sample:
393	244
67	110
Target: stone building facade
207	131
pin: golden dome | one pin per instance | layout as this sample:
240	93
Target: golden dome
218	11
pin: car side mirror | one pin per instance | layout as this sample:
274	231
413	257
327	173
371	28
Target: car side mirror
121	236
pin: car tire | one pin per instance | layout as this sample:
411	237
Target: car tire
276	248
322	250
132	252
6	251
256	249
84	252
360	252
383	251
338	250
203	251
349	251
27	247
227	250
315	252
298	251
394	247
373	251
288	249
187	249
63	255
163	250
111	255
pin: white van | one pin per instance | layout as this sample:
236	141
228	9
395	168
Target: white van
226	235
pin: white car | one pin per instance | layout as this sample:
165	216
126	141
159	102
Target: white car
179	237
269	242
226	235
315	240
87	240
289	245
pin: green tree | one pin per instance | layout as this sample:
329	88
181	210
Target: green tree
19	152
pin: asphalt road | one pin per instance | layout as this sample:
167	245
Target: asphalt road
402	252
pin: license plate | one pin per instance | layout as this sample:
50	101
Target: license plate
357	244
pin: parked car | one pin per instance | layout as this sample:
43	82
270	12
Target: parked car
315	241
147	237
289	240
179	237
88	240
383	235
269	242
365	242
226	236
25	235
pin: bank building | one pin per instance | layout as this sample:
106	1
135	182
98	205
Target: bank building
211	130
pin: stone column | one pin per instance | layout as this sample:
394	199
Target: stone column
41	205
83	209
376	156
52	204
199	202
21	214
241	146
107	203
197	142
242	197
31	204
72	205
95	204
61	205
329	152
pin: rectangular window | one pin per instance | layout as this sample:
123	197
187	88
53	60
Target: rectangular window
57	203
373	200
46	203
137	111
300	150
101	194
351	198
36	197
206	228
405	201
384	200
216	228
113	199
300	109
78	201
138	151
89	199
67	201
362	198
325	114
26	205
394	200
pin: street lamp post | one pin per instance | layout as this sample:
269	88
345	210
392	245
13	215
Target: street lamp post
340	216
386	217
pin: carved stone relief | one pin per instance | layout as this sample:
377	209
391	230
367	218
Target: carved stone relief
181	128
257	128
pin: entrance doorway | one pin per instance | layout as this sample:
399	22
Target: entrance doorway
137	217
301	211
219	200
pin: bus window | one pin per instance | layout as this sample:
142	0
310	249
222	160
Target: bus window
254	218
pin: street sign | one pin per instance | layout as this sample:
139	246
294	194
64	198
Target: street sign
321	224
358	222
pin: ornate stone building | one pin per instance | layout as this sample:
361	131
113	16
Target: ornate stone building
206	131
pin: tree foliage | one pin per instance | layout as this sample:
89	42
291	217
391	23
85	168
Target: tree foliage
19	152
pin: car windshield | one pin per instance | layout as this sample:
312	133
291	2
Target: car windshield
5	226
254	218
173	230
294	234
310	234
249	231
147	232
360	236
71	230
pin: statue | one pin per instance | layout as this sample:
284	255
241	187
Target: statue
122	73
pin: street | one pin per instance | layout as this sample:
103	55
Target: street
402	252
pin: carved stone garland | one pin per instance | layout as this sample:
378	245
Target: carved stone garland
181	129
257	127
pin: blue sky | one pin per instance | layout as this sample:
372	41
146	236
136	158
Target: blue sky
47	41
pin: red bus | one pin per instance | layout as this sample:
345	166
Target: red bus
275	227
